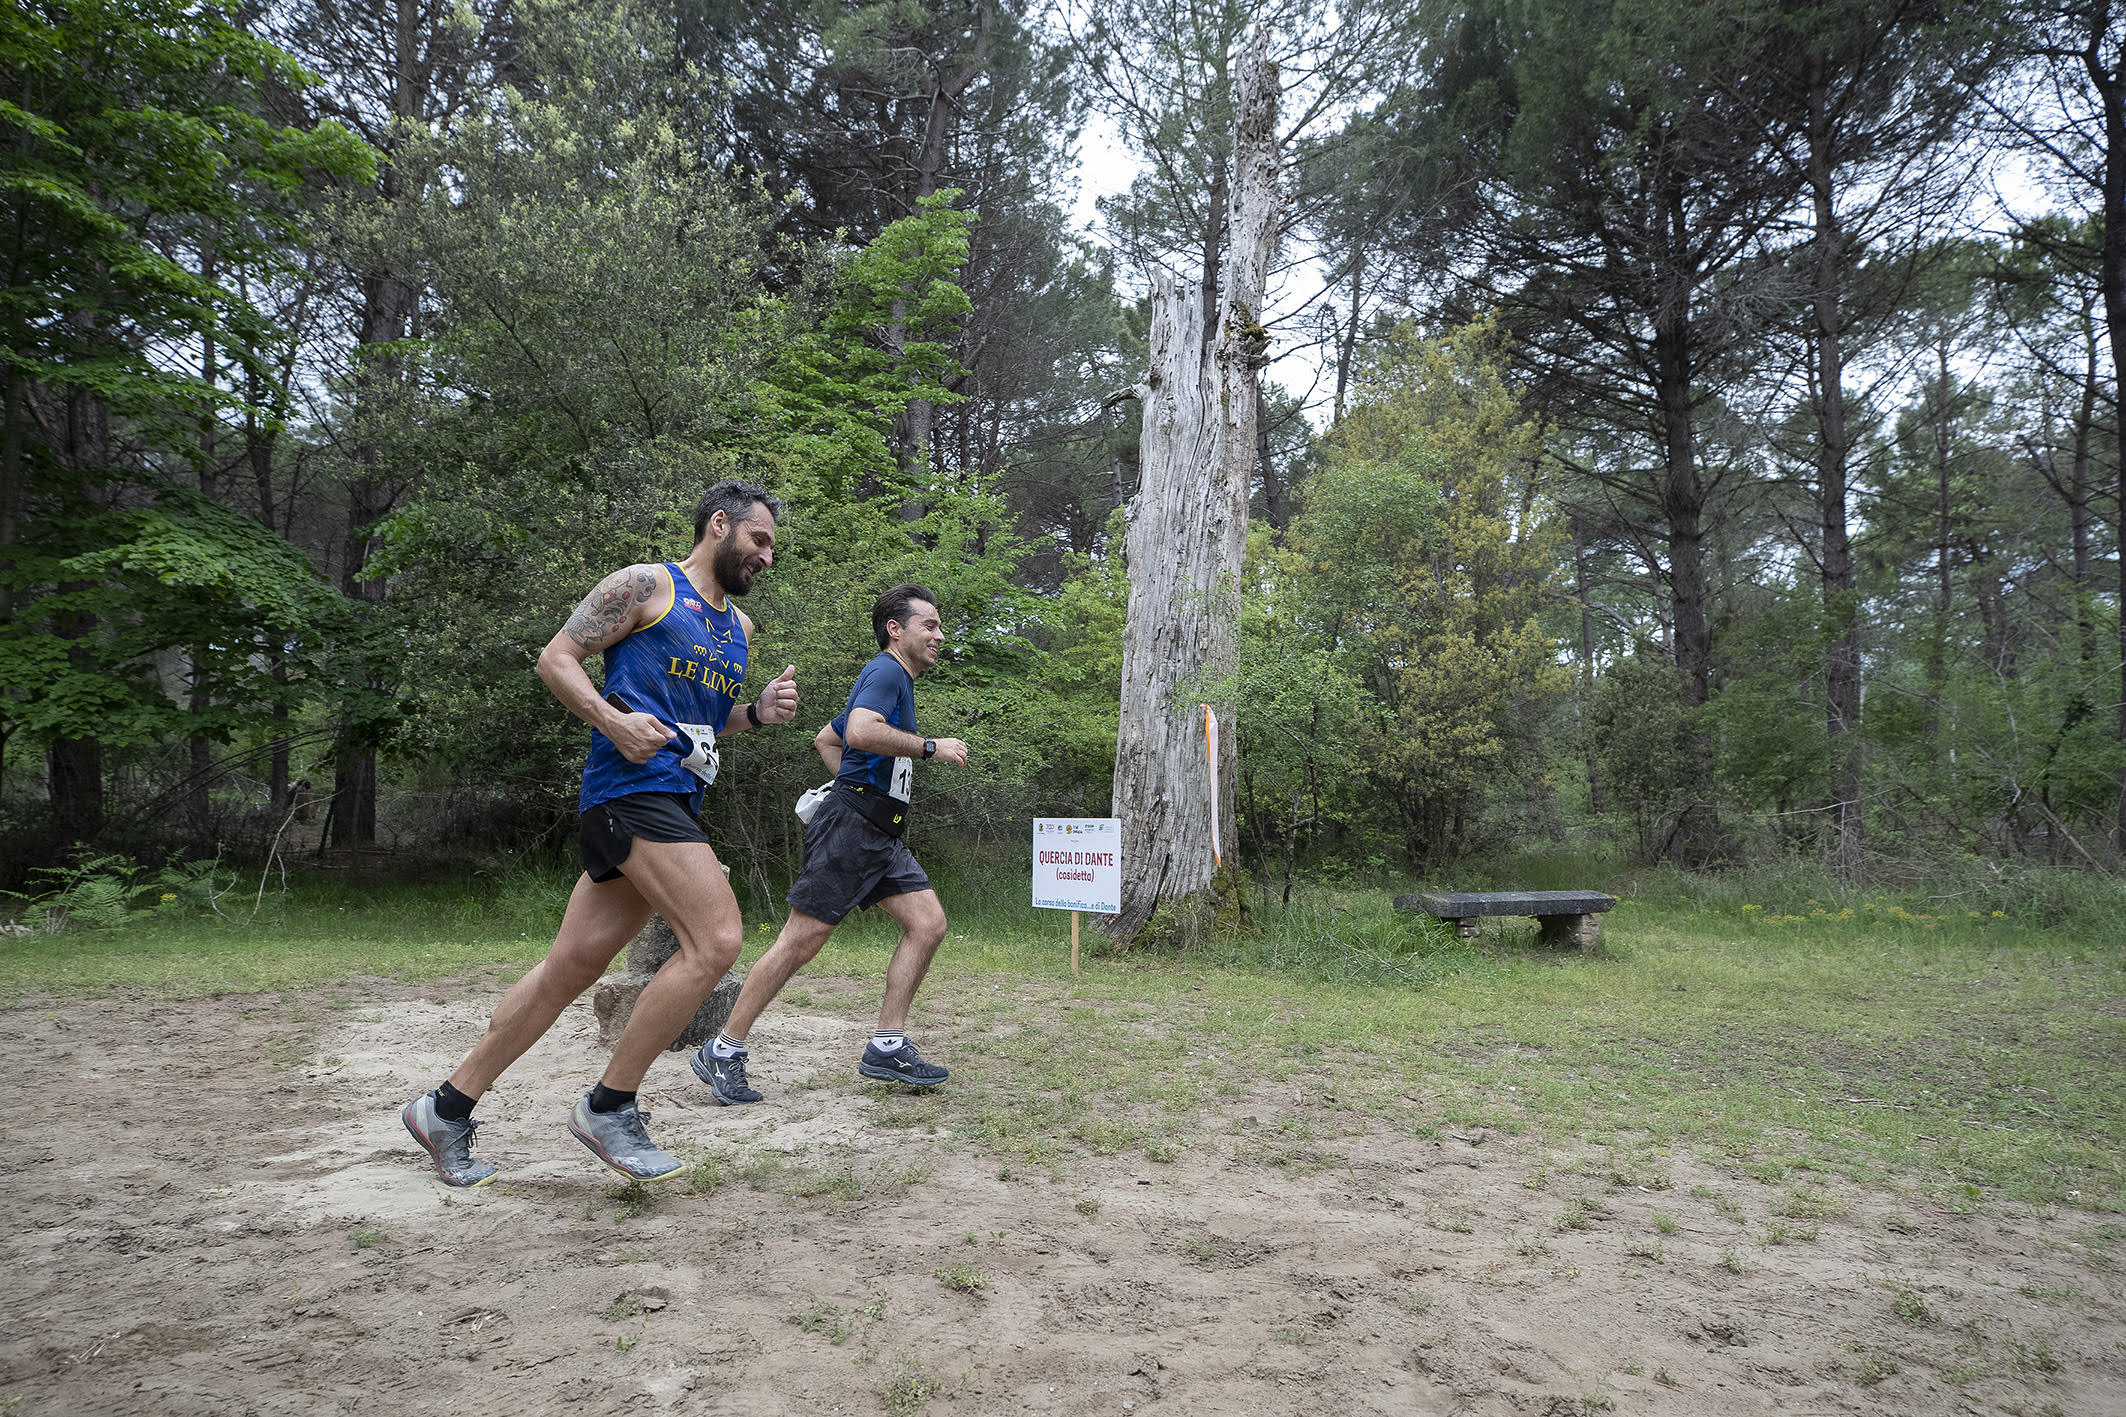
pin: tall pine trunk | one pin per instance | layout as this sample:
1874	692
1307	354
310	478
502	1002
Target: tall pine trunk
1841	665
2105	76
387	311
1187	534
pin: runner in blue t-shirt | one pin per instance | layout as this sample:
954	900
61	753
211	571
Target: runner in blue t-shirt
854	855
675	653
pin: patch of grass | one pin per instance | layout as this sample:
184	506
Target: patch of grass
1106	1136
1805	1203
1910	1306
709	1169
1532	1247
1579	1213
2034	1356
1665	1223
633	1198
1874	1366
828	1321
1649	1250
1418	1301
1665	1378
1088	1206
368	1236
963	1278
1732	1261
1161	1150
909	1388
834	1185
1203	1247
627	1306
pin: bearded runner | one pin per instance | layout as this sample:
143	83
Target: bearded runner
675	652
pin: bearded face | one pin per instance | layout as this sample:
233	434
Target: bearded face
745	549
733	572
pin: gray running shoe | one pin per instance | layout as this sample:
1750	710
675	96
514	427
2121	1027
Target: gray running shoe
726	1077
448	1143
621	1141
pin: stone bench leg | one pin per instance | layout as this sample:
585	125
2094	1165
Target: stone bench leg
1468	927
1581	931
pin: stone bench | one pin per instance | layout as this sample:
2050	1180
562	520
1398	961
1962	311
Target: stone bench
1565	917
613	999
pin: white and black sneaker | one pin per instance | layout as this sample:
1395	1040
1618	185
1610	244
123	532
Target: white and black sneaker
726	1077
903	1064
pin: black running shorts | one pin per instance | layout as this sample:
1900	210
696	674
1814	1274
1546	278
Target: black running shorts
850	864
606	832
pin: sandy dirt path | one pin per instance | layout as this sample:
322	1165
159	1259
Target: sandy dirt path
216	1210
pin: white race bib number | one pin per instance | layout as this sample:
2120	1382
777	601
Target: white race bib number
697	744
903	779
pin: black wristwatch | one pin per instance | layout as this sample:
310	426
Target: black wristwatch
930	747
752	718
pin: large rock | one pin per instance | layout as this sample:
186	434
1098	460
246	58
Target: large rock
614	998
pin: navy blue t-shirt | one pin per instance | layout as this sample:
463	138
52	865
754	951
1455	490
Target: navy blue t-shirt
884	687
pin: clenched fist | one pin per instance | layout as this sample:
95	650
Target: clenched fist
778	702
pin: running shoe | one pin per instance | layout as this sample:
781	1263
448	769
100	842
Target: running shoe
448	1143
726	1077
621	1140
903	1064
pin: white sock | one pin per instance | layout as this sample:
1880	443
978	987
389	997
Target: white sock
723	1045
888	1040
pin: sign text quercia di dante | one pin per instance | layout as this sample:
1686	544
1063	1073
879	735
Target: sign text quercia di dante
1077	863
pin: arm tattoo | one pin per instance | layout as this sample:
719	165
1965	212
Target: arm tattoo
598	620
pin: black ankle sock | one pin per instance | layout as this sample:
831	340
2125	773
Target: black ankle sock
609	1099
453	1105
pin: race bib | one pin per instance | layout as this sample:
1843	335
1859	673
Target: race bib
697	748
903	779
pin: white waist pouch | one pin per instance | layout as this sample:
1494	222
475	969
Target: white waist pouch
809	804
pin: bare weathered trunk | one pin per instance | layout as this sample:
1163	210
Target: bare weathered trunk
1841	666
1187	534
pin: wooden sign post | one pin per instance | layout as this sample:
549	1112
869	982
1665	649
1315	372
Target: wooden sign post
1077	866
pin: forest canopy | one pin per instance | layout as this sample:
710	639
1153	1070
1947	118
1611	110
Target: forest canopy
1692	432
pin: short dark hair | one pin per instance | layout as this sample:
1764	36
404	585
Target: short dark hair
893	606
735	500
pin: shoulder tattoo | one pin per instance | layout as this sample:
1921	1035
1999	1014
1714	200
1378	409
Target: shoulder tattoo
598	620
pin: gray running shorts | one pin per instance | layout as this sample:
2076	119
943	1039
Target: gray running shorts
850	864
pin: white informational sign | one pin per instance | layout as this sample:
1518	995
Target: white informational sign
1077	864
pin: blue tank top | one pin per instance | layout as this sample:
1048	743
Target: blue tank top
685	667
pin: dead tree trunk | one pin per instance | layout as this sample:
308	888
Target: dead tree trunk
1187	532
